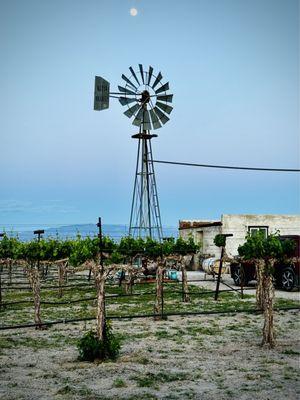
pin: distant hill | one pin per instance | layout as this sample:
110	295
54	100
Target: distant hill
71	231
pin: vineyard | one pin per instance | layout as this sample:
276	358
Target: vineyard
171	332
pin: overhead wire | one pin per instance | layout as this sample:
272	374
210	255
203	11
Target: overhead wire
227	166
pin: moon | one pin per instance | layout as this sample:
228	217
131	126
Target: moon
133	12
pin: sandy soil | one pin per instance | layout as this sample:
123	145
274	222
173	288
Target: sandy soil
203	357
226	278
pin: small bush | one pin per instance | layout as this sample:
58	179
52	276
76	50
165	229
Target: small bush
220	240
91	348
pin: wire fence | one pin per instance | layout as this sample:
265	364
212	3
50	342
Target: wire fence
112	297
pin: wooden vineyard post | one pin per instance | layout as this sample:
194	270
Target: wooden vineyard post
223	244
242	280
100	285
219	274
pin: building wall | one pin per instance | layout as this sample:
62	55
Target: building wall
238	225
204	236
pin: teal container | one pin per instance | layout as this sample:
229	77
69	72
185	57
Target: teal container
172	275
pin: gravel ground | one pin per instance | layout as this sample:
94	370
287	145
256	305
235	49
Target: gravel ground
226	278
203	357
193	357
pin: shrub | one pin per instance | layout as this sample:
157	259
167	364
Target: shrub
220	240
91	348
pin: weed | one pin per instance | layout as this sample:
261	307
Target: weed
119	383
91	348
291	352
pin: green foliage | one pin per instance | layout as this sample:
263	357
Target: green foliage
220	240
259	246
89	249
81	249
9	247
151	248
91	348
182	246
129	246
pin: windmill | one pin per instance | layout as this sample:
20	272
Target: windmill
147	101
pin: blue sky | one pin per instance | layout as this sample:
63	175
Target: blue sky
233	67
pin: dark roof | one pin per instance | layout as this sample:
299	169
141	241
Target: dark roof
198	224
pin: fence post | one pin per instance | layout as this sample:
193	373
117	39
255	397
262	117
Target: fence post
219	274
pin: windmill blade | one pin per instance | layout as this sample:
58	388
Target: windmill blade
128	81
155	121
164	107
134	75
132	110
146	121
163	88
150	75
157	80
125	90
125	100
142	72
139	117
161	115
167	97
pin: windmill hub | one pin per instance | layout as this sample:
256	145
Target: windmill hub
145	97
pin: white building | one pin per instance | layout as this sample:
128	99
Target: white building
204	232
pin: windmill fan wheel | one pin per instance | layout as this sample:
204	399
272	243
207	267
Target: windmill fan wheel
146	97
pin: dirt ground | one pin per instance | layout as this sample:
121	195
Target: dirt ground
199	357
227	280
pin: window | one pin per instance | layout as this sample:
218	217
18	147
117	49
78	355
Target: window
253	230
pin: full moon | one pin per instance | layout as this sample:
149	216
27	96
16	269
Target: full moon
133	12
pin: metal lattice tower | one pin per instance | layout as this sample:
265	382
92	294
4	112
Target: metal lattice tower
147	100
145	220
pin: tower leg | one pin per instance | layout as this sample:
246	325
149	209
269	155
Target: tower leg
145	220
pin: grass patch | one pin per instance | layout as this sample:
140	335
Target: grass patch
291	352
151	380
119	383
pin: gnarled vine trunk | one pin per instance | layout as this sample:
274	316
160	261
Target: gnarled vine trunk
185	261
158	307
10	271
260	268
62	277
35	283
100	277
268	329
265	299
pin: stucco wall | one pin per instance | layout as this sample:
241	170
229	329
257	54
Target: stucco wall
206	236
238	226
